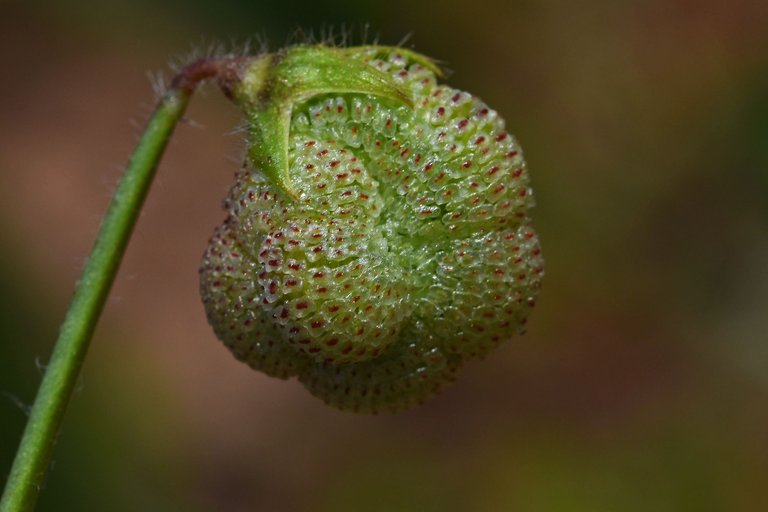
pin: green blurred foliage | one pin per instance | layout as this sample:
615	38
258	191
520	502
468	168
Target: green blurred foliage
643	381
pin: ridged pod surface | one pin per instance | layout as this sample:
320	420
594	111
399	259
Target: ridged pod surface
394	244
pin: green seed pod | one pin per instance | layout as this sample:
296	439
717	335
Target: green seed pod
378	235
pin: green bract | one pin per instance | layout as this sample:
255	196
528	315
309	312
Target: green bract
378	235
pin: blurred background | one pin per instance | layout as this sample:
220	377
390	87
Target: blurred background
642	383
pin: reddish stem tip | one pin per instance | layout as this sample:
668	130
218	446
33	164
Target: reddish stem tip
227	70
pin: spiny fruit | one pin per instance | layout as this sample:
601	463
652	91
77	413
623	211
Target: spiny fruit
378	235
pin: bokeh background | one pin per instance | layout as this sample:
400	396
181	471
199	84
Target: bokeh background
642	383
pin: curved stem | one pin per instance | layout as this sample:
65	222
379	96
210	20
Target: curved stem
34	453
36	447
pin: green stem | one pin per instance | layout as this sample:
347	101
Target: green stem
34	453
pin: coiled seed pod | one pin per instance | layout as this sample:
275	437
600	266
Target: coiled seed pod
378	235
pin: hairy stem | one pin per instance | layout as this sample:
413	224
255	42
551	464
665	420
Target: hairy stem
36	448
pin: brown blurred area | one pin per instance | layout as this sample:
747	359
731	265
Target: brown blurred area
643	380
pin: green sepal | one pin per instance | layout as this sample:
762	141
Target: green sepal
268	146
273	84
